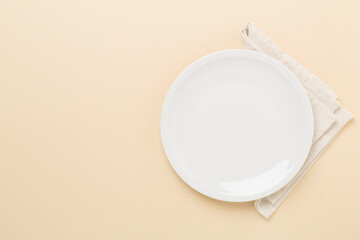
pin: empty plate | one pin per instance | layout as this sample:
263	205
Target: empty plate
237	125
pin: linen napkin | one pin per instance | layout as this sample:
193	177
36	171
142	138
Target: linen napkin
329	115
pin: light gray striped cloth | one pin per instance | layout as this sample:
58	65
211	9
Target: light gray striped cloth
329	115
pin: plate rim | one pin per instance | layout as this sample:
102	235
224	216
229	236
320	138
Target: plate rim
269	60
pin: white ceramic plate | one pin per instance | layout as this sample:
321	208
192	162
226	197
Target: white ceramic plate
237	125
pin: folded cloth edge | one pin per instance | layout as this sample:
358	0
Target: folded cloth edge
260	42
267	206
326	104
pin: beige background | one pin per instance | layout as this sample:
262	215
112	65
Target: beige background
81	89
